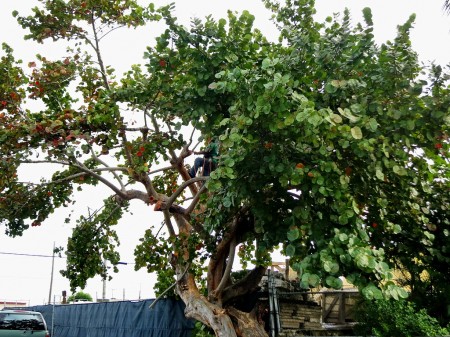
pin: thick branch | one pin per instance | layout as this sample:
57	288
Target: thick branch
181	188
195	200
168	222
217	264
248	284
116	190
227	272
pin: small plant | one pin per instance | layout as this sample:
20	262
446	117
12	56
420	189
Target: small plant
201	330
80	296
387	318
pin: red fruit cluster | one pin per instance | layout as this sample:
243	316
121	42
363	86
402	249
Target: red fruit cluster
35	223
37	89
140	152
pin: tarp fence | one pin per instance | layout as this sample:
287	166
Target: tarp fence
117	319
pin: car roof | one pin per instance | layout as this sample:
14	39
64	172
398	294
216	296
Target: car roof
9	311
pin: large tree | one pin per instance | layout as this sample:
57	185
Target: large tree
331	147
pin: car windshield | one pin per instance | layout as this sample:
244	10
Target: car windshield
21	321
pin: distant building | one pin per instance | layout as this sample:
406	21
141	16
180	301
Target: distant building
13	304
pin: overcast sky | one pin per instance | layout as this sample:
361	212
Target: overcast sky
25	262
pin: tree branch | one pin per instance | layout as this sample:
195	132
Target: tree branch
118	191
180	189
122	186
227	272
168	222
247	284
195	199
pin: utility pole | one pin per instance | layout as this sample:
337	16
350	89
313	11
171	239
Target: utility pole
51	275
104	286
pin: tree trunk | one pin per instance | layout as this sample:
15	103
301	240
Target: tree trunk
216	318
246	324
226	322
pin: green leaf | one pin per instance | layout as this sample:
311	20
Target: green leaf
372	124
312	280
372	292
356	132
347	113
343	237
331	267
401	171
293	234
266	63
290	250
334	282
336	118
330	88
379	174
397	229
402	293
289	120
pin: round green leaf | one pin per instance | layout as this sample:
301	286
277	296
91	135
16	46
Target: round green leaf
356	132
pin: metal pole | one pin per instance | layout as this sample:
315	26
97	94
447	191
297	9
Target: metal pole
271	305
51	275
104	286
53	316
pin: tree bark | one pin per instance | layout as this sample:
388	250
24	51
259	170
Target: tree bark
225	322
228	322
246	324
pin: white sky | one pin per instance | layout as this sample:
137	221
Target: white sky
28	277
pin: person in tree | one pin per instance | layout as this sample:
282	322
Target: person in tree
209	160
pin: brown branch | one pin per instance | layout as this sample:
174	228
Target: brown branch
97	51
229	265
195	199
106	182
180	189
44	162
169	223
122	186
247	284
140	129
126	149
136	194
217	263
162	169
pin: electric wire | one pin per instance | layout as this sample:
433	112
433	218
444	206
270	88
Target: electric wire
41	255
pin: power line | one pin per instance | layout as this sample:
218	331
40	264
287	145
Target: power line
40	255
35	255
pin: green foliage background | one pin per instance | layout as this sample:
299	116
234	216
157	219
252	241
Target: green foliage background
385	318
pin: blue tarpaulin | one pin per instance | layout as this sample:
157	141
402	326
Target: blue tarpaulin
117	319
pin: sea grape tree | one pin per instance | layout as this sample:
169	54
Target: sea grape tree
331	147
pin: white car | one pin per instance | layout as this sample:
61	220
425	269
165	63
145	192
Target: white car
22	323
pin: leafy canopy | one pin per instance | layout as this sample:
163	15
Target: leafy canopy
331	146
